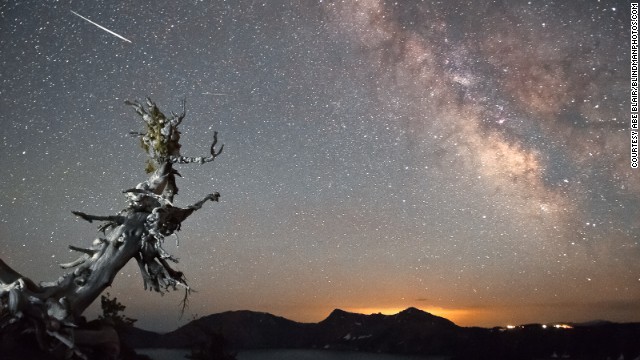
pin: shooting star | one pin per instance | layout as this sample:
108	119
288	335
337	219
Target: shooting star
102	27
214	94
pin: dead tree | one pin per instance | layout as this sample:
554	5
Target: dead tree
52	309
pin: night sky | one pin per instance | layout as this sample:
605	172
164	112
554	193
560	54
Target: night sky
469	158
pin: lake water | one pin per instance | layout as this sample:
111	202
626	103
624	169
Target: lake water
173	354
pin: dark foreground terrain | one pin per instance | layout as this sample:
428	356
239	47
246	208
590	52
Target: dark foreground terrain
411	331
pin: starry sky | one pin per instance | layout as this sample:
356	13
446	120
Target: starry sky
468	158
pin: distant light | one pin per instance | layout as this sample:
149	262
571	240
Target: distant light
511	327
544	326
563	326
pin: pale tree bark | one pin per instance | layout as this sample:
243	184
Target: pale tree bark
52	309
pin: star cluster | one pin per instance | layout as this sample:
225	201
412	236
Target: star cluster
467	158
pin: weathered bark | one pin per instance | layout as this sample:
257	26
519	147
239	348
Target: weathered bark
138	231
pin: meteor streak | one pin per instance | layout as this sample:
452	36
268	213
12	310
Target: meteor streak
101	27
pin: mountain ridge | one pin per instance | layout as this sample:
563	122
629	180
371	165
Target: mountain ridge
411	331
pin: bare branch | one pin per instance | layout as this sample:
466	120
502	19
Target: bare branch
213	197
199	159
177	119
118	219
76	262
136	105
184	304
89	252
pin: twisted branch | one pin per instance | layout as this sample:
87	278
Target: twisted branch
199	159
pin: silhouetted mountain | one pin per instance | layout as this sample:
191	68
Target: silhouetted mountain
138	338
243	330
411	331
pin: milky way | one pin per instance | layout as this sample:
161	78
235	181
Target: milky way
469	159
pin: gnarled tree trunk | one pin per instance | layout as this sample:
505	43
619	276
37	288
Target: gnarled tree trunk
52	309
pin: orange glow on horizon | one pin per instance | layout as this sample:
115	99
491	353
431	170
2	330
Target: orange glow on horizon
458	316
481	316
